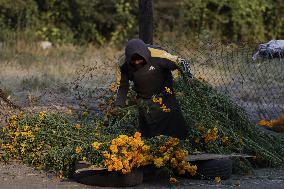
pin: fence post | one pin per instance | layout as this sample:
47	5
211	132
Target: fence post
146	21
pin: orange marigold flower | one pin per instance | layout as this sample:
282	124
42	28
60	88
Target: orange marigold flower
162	149
78	150
96	145
113	148
173	180
159	162
137	135
180	154
77	126
264	123
172	141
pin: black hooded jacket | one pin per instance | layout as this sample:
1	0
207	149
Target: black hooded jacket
153	77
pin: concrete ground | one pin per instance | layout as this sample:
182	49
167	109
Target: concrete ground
19	176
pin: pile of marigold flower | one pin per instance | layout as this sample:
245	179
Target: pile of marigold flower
169	154
126	153
53	142
273	122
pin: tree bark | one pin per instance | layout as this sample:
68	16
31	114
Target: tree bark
146	20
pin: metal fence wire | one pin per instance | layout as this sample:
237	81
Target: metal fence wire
257	86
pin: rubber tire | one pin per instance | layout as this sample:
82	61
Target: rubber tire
109	179
209	169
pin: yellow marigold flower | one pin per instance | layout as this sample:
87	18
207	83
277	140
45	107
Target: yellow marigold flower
77	126
162	149
84	159
42	115
217	180
146	148
173	141
78	150
168	90
192	169
159	162
124	171
163	106
160	100
26	128
113	87
173	180
96	145
155	99
17	133
211	135
225	140
174	162
167	110
106	155
263	123
137	135
166	157
180	154
113	148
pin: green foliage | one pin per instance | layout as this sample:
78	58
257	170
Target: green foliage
115	21
55	141
234	20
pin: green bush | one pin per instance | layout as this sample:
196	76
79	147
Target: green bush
98	21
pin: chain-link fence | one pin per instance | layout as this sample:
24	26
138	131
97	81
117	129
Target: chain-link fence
258	86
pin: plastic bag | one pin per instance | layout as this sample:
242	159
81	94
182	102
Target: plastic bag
272	49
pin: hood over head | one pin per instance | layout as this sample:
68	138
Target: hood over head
136	46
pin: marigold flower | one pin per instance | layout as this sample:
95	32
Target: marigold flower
159	162
113	87
172	141
42	115
180	154
145	148
174	162
225	140
192	169
264	123
77	126
113	148
137	135
96	145
78	150
162	149
217	180
173	180
168	90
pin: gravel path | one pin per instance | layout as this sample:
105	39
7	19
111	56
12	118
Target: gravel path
19	176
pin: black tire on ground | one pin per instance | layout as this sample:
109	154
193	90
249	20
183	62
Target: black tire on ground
209	169
109	179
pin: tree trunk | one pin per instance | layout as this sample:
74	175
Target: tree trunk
146	21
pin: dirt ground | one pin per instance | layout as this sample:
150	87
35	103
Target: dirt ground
19	176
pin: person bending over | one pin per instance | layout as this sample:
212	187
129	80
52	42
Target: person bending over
149	67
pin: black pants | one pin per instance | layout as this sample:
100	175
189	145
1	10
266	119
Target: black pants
157	122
